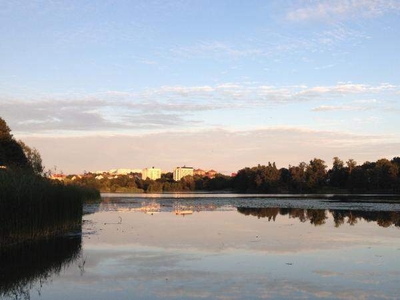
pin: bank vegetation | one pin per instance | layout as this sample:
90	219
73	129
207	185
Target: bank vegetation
31	205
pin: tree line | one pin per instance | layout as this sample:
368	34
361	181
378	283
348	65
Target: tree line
133	183
382	176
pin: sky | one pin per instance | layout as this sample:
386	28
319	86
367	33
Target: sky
213	84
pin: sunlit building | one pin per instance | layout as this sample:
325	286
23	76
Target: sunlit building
211	174
59	177
123	171
151	173
199	172
180	172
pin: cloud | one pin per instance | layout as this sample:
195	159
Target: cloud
324	273
324	67
339	108
342	9
367	120
343	90
171	106
216	49
274	45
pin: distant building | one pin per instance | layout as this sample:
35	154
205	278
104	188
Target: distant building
199	172
151	173
59	177
124	171
211	174
180	172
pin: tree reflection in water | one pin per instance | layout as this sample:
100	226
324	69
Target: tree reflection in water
26	265
318	217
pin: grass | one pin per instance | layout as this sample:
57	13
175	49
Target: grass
33	207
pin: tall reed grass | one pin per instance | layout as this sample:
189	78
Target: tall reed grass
32	207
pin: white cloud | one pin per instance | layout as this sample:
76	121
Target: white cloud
217	49
367	101
170	106
346	89
274	44
324	67
339	108
368	120
184	91
342	9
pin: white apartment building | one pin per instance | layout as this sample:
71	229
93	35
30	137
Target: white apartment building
151	173
180	172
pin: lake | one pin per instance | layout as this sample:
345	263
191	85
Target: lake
216	246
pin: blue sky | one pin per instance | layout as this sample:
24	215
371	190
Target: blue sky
214	84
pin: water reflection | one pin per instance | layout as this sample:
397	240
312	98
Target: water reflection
24	266
314	216
318	217
230	248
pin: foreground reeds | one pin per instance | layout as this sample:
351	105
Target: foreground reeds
33	207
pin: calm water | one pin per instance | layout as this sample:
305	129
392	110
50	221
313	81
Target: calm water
215	247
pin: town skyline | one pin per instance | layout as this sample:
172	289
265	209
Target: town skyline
222	85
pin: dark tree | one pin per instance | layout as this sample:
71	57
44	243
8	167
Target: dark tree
316	174
11	153
34	158
338	175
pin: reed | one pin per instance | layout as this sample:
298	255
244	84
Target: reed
33	207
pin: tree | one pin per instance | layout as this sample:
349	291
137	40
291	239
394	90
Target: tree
385	174
5	131
338	174
11	153
316	173
188	183
34	158
298	177
351	164
358	179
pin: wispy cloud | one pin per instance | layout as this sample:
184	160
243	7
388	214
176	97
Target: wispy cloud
347	88
339	108
324	67
274	45
342	9
170	106
218	49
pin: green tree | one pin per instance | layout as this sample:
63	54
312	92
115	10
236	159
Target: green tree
298	177
351	164
188	183
34	158
316	174
385	174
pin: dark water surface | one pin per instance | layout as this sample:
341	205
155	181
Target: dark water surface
215	247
